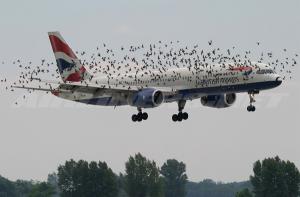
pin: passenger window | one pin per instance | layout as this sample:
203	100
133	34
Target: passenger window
260	72
265	71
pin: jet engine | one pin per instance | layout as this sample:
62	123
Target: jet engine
219	101
146	98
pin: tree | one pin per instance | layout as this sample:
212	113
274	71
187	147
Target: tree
275	178
244	193
6	188
53	181
23	188
42	190
121	185
142	178
86	179
209	188
175	178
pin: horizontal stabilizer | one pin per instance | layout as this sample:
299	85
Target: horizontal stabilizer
33	88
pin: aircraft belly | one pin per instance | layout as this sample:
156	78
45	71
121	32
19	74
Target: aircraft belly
234	88
104	101
99	98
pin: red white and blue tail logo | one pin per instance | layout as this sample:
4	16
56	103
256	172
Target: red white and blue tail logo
68	64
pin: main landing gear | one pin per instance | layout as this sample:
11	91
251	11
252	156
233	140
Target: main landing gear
251	107
140	116
181	115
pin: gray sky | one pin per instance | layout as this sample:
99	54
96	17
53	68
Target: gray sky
219	144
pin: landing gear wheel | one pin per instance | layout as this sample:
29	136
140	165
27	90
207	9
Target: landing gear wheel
140	117
181	115
251	108
145	116
134	118
175	117
185	116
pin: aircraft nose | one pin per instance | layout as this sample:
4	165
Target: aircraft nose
278	81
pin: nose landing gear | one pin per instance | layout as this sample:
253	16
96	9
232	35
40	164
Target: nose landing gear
251	107
181	115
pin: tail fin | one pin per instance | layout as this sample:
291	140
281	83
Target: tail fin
68	64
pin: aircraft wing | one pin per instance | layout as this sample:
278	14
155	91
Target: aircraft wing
89	85
170	94
33	88
90	88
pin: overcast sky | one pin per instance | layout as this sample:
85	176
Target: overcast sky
219	144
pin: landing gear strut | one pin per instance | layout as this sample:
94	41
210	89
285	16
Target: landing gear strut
181	115
251	107
140	116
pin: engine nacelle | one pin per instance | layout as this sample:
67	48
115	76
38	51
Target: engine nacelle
219	101
146	98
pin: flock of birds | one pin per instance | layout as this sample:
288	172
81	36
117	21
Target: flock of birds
152	60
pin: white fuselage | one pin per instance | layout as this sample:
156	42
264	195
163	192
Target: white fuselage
188	78
180	83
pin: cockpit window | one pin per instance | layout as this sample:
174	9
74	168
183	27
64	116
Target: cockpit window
265	71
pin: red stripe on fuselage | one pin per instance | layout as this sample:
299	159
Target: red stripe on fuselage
242	68
60	46
55	92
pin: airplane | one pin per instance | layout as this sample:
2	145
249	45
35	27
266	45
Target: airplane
216	85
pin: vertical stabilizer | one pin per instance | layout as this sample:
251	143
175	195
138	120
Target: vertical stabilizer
68	64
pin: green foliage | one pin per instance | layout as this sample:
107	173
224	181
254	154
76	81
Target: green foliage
275	178
121	186
209	188
142	178
19	188
7	188
77	179
272	178
175	178
53	181
244	193
42	190
23	187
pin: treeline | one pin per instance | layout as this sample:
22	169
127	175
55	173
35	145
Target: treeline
143	178
209	188
22	188
205	188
